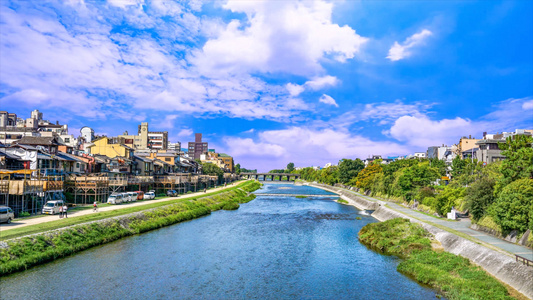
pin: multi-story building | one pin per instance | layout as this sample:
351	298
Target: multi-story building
111	148
197	148
465	144
146	139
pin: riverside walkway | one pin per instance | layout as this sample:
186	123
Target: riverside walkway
462	226
22	222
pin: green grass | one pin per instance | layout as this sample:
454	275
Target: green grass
453	275
29	251
60	223
300	197
342	201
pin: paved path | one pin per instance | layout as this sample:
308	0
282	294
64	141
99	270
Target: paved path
462	226
17	223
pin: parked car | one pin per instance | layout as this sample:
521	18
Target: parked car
172	193
6	214
140	195
126	197
149	196
52	207
133	196
115	199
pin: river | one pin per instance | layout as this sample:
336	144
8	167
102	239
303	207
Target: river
270	248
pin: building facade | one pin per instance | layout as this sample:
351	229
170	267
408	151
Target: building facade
197	148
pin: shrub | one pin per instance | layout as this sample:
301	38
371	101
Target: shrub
24	214
513	209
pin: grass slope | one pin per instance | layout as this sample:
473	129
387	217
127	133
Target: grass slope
455	276
21	254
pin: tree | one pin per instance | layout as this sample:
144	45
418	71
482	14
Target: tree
365	178
513	209
213	170
238	169
519	162
290	167
458	166
349	169
479	196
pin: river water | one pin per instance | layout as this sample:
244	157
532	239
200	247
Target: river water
270	248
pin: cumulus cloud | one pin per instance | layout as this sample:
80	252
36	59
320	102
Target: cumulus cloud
294	89
401	51
328	100
278	36
527	105
315	84
305	146
422	132
51	63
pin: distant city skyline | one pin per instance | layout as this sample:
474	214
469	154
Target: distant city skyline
277	81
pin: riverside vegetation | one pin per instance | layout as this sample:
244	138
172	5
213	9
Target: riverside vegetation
453	275
498	195
23	253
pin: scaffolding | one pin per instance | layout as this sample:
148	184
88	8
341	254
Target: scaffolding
29	193
87	189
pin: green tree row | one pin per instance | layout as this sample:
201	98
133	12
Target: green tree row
500	191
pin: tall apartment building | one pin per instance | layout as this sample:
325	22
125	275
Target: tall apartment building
197	148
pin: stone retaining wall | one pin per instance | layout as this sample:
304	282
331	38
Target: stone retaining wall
499	265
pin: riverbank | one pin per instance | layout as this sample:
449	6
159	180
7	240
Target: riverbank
497	263
23	253
453	275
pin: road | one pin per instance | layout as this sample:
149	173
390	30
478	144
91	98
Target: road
18	223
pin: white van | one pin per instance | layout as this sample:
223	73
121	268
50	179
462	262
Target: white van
115	199
52	207
133	196
126	197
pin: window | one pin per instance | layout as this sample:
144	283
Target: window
167	159
77	165
67	140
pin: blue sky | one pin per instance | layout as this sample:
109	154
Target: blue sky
276	81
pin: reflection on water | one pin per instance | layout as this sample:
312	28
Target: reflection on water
270	248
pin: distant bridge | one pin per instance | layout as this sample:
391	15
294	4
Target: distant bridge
272	176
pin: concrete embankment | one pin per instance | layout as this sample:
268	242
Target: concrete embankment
353	199
500	265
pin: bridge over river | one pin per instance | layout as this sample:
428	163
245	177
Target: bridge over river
272	176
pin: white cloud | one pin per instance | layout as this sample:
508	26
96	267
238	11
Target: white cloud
125	3
398	52
278	36
328	100
294	89
321	82
107	72
527	105
305	147
186	132
422	132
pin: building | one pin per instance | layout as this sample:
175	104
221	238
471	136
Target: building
489	150
465	144
87	133
197	148
146	139
227	161
111	148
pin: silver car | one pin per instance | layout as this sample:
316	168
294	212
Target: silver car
6	214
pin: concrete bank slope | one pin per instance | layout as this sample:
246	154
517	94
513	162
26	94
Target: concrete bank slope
501	266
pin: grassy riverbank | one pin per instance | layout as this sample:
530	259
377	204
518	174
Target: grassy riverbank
21	254
454	275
